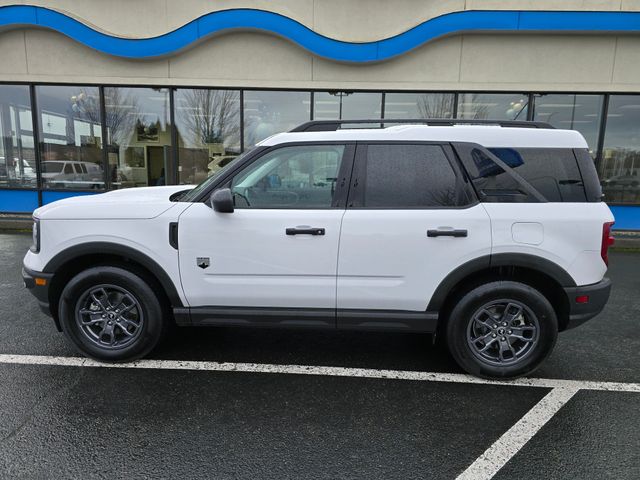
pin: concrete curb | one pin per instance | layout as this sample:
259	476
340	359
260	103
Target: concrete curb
15	222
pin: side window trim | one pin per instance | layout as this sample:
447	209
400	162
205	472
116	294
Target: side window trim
358	178
463	148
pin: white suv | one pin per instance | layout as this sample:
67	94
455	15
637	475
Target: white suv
494	236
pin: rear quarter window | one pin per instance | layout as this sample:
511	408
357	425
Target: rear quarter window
552	171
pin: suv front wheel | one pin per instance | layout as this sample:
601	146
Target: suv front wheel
111	314
501	329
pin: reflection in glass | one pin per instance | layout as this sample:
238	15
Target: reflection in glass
208	124
488	106
290	177
346	105
620	164
266	113
139	136
17	155
418	105
71	137
573	112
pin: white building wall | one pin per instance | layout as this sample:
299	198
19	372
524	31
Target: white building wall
249	59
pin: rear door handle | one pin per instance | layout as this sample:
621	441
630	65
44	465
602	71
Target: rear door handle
446	233
304	230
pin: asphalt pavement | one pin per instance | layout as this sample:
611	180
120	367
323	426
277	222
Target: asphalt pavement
71	421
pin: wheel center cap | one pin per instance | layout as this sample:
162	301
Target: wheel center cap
112	316
501	331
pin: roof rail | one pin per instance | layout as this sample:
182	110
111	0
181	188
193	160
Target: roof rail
332	125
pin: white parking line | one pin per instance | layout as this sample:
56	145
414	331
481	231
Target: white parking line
315	370
497	455
484	467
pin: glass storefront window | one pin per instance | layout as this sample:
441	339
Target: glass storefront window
493	106
573	112
139	134
17	155
267	112
208	124
620	163
346	105
71	137
418	105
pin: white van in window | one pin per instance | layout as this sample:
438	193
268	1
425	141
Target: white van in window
72	174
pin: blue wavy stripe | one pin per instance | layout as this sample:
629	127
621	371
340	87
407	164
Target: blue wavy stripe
249	19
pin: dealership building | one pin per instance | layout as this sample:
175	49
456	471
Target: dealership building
97	96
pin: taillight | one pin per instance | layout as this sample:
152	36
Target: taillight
607	241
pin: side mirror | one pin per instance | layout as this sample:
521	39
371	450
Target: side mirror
222	200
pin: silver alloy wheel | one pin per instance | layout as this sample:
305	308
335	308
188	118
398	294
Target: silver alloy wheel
109	316
503	332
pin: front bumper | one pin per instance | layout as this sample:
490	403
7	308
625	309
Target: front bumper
41	292
598	295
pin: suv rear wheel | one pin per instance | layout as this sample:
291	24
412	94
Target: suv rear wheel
502	329
111	314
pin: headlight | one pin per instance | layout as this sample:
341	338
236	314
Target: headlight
35	244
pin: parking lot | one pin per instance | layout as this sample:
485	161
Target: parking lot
251	403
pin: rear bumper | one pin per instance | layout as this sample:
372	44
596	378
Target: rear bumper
598	294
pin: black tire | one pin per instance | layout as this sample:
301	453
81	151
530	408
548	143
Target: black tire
147	313
511	357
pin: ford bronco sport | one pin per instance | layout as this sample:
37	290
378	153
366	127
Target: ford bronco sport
491	234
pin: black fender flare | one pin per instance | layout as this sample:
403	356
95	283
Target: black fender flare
108	248
524	260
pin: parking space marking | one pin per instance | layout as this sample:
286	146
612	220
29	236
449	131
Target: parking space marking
510	443
319	371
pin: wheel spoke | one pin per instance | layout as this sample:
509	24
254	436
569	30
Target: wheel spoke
487	345
511	312
505	346
482	338
107	330
518	333
124	330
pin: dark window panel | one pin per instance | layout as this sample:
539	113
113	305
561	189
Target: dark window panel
620	164
493	106
270	112
139	130
419	105
573	112
17	148
208	128
346	105
70	129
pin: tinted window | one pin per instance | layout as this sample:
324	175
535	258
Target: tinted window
410	176
492	183
290	177
553	172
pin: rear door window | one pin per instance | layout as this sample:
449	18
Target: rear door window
410	176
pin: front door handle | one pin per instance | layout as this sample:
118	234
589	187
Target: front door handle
446	233
304	230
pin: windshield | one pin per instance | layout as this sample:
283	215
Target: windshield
191	195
